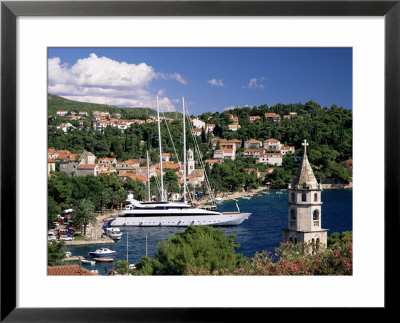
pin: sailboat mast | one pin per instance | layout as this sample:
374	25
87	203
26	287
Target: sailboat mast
184	150
159	139
148	177
127	246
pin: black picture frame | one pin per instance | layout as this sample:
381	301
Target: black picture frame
10	10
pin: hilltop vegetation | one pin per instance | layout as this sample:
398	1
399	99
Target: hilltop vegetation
56	103
328	131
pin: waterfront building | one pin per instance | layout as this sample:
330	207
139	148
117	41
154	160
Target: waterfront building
304	211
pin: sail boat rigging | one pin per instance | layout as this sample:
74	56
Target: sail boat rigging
165	213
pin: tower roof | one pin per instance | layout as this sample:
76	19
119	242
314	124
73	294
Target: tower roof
305	178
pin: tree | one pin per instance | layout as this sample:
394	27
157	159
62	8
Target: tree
196	246
122	267
55	253
83	214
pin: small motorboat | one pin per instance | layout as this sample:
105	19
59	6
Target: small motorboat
95	271
104	259
91	262
115	235
103	252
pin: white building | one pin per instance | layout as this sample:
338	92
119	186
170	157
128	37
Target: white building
252	143
272	144
287	150
270	158
197	123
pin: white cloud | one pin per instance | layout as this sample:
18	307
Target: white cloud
103	80
254	83
229	108
216	82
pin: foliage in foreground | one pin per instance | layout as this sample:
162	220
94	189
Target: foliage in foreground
55	253
291	259
197	246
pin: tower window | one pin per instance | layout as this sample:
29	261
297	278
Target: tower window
316	218
304	197
292	218
316	197
293	197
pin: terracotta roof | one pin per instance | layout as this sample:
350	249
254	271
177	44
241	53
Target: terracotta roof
271	140
49	160
288	147
104	159
272	115
253	140
87	166
234	140
70	270
134	177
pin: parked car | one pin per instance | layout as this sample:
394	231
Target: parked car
51	236
66	238
62	232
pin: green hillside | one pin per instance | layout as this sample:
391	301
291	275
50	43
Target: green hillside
56	103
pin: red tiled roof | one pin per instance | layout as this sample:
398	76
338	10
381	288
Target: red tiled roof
253	140
49	160
134	177
272	115
271	140
70	270
87	166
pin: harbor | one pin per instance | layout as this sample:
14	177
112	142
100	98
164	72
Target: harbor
262	231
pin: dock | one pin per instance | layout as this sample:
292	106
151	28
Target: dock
73	258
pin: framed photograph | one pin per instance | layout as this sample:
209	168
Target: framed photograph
289	52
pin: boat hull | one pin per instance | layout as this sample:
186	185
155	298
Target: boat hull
98	255
104	259
223	219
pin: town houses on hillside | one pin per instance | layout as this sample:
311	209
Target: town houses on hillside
86	163
269	151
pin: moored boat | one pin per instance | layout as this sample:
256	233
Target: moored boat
103	252
91	262
104	259
115	235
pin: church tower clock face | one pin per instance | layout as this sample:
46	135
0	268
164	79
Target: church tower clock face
304	207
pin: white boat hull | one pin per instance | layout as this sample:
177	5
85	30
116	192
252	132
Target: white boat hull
224	219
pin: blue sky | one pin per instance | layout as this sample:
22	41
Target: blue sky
210	79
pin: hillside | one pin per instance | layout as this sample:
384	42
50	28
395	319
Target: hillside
58	103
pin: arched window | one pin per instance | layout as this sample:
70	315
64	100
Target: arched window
317	244
316	218
295	240
293	197
315	197
304	197
291	239
292	214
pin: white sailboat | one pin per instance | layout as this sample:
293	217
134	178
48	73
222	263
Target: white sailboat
165	213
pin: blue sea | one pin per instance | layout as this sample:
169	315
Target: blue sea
262	231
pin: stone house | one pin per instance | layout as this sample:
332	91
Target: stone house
272	144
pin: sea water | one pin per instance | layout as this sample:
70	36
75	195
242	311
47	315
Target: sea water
261	231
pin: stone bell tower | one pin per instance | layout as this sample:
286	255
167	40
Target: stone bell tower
304	214
190	162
